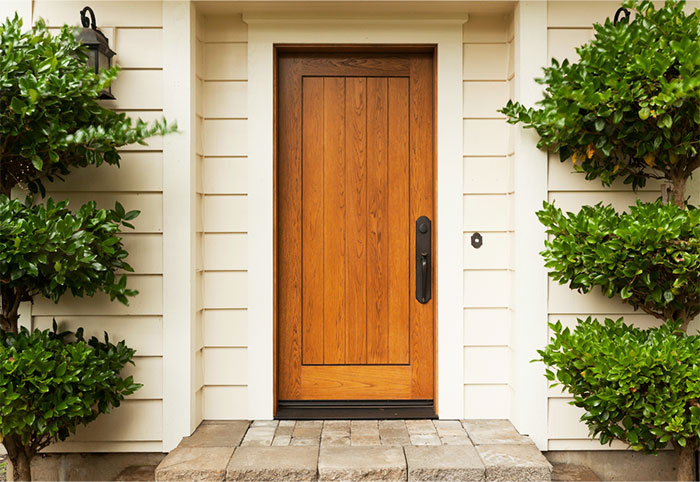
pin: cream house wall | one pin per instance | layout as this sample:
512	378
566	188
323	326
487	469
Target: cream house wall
223	83
488	197
137	425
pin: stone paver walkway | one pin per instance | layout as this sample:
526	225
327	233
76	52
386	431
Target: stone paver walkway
355	433
357	450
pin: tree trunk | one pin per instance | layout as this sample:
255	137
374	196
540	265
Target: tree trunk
9	315
21	470
686	463
678	192
21	459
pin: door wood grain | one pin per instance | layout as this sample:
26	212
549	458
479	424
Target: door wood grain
354	171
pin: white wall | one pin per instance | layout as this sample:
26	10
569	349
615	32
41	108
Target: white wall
488	198
223	84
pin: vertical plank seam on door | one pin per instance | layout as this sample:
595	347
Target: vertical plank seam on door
387	224
345	216
410	223
301	215
366	216
323	219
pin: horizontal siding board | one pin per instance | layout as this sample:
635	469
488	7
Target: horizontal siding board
225	251
638	319
137	172
486	327
149	372
486	289
152	143
225	61
138	48
486	137
225	214
225	403
150	204
142	333
563	177
134	420
484	28
562	43
563	300
620	200
225	328
105	447
486	365
585	444
488	175
225	175
579	14
224	99
487	401
484	99
225	366
137	89
485	61
111	13
563	420
225	289
223	28
487	212
225	137
149	301
494	252
145	252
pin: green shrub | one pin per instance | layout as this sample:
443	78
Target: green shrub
649	256
638	386
47	250
630	106
50	124
50	120
51	382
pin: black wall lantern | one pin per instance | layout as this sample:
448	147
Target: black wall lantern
99	53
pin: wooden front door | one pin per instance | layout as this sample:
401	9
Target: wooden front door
355	148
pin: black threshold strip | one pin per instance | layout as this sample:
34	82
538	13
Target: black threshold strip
355	409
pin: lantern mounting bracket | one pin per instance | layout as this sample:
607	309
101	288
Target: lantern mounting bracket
618	15
88	22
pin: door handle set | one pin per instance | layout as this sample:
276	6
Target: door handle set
423	259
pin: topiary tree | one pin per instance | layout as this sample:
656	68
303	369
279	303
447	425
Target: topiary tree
629	109
51	124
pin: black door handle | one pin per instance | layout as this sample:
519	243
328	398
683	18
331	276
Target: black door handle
423	252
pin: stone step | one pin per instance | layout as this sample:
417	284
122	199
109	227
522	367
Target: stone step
490	450
137	473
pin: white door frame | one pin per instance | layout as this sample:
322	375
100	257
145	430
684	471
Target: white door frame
264	32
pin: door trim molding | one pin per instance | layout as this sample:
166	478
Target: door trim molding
263	35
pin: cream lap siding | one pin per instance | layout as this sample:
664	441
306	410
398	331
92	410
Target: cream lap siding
225	216
134	30
570	25
488	189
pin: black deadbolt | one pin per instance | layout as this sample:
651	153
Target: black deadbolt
477	240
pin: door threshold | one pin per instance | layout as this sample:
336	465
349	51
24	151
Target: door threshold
355	409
